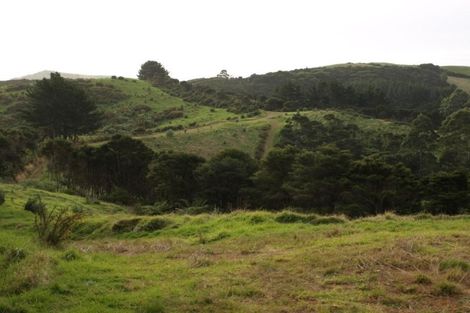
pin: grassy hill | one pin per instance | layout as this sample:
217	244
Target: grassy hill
164	122
238	262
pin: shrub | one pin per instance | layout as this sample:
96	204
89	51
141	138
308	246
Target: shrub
290	217
257	219
153	224
125	226
52	226
2	197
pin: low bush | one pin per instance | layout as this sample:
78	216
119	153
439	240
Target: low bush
52	226
153	224
291	217
125	226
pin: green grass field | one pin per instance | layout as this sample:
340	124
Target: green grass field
465	70
239	262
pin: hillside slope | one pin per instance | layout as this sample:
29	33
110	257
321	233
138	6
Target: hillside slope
239	262
164	122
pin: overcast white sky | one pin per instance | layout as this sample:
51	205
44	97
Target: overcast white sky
199	38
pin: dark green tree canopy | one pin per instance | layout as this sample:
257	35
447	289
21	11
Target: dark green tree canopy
60	108
226	177
154	72
172	176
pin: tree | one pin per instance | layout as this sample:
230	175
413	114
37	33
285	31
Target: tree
446	192
377	186
61	108
418	146
223	74
225	179
10	158
172	177
155	73
125	162
270	179
455	139
457	100
318	179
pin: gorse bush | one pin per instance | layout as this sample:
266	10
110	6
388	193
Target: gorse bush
52	226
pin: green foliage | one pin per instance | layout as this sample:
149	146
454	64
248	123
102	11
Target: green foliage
291	217
2	197
60	108
376	89
4	308
15	147
225	178
172	176
125	226
318	179
457	100
446	192
52	226
270	179
154	224
154	72
455	139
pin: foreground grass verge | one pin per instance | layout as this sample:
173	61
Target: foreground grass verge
238	262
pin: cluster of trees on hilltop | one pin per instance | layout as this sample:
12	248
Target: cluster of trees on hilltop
380	90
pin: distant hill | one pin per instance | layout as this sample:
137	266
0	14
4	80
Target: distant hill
47	74
407	90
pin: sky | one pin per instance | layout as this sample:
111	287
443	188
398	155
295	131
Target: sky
195	39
